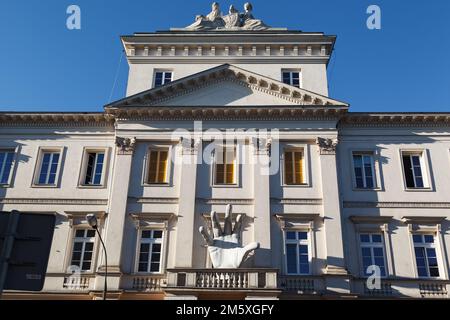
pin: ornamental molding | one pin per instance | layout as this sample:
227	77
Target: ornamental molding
54	201
155	200
78	218
210	201
327	146
309	202
153	219
125	145
363	204
225	72
298	221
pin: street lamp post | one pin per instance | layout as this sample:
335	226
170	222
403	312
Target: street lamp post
92	220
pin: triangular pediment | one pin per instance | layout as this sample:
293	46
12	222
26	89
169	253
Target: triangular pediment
225	85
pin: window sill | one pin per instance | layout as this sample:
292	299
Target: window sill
91	187
235	185
303	185
156	185
367	189
427	189
5	186
44	186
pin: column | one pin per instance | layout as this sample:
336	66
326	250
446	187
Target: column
186	204
261	206
337	278
114	233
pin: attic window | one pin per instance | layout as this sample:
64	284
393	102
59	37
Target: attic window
162	78
291	77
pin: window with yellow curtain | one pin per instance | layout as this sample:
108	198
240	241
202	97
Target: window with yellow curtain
157	166
225	165
293	167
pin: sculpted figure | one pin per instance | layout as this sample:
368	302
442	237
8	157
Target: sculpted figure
224	246
212	21
232	20
248	21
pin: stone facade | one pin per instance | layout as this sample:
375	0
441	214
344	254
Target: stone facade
222	80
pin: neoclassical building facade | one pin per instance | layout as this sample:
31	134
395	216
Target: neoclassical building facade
229	111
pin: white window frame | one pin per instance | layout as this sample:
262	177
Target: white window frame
94	249
437	249
236	166
13	150
373	161
295	147
307	242
84	163
372	245
290	71
163	71
151	241
169	149
423	155
37	168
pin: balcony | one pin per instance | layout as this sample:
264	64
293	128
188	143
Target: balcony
404	288
249	282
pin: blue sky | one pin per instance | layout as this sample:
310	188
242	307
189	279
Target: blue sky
46	67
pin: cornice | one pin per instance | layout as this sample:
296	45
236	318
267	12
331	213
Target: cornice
54	201
60	119
368	204
263	113
351	120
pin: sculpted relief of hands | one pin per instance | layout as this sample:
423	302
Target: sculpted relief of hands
224	247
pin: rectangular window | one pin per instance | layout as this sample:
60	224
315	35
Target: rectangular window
372	252
83	248
94	164
294	167
364	169
297	252
158	163
162	78
413	170
292	78
49	168
426	258
225	165
6	162
150	251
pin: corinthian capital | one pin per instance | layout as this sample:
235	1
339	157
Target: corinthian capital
125	145
327	145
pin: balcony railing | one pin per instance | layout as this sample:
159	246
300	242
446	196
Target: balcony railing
144	283
223	278
300	284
